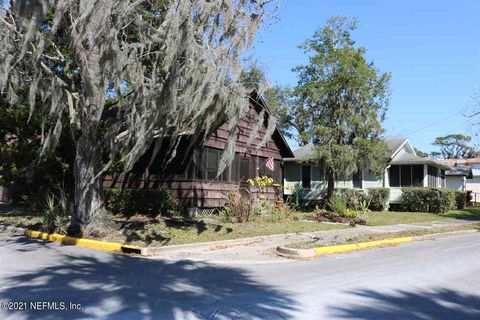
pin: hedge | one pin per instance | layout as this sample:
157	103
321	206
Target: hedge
140	201
378	198
460	199
427	200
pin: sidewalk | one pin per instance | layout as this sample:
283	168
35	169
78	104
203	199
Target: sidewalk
260	250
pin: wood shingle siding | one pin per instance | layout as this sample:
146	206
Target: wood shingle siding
190	179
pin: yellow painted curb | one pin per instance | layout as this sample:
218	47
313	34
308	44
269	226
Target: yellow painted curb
362	245
88	243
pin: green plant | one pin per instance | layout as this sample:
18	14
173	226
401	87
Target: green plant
55	217
460	199
293	200
337	204
238	207
378	198
349	213
261	182
140	201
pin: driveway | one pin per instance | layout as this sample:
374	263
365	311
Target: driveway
432	279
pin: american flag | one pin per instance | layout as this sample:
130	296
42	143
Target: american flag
270	164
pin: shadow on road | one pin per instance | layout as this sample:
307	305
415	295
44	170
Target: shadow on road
426	305
124	287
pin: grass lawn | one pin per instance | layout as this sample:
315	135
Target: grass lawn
180	231
391	217
145	231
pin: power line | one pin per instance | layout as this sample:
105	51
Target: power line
434	123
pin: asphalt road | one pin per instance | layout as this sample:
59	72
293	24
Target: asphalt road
431	279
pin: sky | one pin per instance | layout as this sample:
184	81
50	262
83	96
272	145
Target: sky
431	48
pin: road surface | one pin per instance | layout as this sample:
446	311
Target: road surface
431	279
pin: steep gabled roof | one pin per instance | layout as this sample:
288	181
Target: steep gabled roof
277	135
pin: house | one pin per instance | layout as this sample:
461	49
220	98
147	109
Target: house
192	176
465	174
405	169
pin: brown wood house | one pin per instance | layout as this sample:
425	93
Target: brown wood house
192	178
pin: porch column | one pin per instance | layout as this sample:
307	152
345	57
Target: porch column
425	175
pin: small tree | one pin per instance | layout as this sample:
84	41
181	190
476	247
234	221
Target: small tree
454	146
342	100
125	74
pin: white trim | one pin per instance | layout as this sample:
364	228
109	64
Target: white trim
400	148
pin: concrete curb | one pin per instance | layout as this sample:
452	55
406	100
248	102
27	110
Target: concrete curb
153	251
81	242
344	248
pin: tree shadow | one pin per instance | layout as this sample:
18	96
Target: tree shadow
471	213
118	286
433	304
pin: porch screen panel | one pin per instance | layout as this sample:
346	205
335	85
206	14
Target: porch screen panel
417	176
394	176
432	176
406	176
244	169
277	172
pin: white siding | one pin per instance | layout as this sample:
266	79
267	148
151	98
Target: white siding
473	184
455	182
293	177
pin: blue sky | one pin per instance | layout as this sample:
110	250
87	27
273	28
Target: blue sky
431	48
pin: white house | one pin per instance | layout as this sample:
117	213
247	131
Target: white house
464	174
405	169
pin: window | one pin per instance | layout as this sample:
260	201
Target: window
244	169
234	168
406	175
207	162
276	174
306	178
212	163
357	179
394	176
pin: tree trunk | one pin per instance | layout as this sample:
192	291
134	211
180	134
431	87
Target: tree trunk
330	184
88	195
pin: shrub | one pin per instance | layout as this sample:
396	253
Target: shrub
237	207
469	197
460	199
427	200
337	204
378	198
353	198
140	201
447	200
